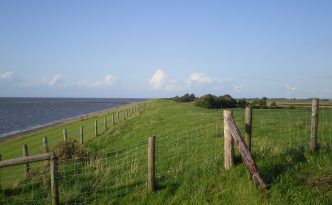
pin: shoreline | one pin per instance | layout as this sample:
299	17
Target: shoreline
40	128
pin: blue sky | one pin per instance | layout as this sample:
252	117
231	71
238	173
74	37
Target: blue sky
165	48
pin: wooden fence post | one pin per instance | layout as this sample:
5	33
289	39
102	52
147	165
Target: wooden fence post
82	134
314	124
65	136
45	145
248	126
112	118
118	117
246	154
151	163
26	166
0	173
54	180
228	143
105	123
96	128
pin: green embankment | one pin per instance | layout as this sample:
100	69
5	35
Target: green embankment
189	159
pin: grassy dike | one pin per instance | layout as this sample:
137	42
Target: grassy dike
190	157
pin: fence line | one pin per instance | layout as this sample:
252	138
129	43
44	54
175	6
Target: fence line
122	170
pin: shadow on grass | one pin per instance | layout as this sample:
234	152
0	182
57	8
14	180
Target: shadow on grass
278	165
165	184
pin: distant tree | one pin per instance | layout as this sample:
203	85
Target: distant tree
260	103
185	98
213	102
242	103
274	105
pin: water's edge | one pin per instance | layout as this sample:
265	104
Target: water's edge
38	128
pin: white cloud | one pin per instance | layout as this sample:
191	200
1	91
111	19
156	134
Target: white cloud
157	80
107	81
200	78
46	81
7	75
160	81
54	80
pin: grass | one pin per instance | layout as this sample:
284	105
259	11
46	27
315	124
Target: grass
189	160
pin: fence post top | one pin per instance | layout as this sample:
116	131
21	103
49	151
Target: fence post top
228	113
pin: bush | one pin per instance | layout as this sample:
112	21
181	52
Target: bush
291	107
69	149
274	105
185	98
213	102
261	103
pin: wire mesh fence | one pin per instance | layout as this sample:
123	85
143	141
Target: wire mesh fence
113	172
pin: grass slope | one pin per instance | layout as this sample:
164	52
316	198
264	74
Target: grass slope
189	160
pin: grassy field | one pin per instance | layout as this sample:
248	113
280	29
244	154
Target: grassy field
189	160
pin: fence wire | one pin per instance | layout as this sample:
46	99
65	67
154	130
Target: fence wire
112	173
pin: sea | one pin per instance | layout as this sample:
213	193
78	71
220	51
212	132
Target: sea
24	114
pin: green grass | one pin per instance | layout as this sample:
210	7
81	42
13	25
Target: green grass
189	160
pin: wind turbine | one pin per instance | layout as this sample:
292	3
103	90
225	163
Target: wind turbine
290	90
238	89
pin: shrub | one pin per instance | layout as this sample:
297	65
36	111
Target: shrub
274	105
69	149
213	102
185	98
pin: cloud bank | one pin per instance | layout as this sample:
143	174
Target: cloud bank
6	75
108	80
161	81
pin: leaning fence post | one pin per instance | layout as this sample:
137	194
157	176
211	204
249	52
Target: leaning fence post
26	166
54	180
45	145
81	134
151	163
96	128
248	126
228	143
65	136
246	154
314	124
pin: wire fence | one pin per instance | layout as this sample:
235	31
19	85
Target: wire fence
109	174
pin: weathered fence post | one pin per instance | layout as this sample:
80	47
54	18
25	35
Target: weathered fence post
105	123
118	117
46	150
26	166
65	136
151	164
45	145
228	143
314	124
0	173
248	126
246	154
112	118
54	180
96	128
82	134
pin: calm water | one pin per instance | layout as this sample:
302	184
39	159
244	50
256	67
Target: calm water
19	114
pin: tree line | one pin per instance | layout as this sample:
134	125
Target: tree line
225	101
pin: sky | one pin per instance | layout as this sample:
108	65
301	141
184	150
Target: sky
156	49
